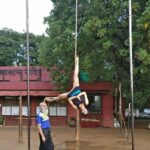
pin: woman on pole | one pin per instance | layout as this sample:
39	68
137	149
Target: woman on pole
76	97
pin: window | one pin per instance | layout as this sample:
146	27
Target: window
10	106
25	111
6	110
37	110
14	110
61	111
10	110
55	109
94	106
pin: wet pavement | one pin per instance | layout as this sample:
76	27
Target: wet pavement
64	139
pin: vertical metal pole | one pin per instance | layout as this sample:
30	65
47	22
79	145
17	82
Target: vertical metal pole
28	70
129	114
120	105
20	119
78	126
76	45
131	71
116	106
76	28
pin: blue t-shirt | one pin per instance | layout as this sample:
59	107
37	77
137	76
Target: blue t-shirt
43	120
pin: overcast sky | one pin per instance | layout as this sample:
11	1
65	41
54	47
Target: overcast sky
13	15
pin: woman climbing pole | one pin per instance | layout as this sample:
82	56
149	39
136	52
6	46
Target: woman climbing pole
76	97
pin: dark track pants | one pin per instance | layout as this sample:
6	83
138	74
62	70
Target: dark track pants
48	144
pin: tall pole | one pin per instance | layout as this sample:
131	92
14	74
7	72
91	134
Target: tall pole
131	71
78	126
28	70
120	106
76	46
20	119
129	114
76	28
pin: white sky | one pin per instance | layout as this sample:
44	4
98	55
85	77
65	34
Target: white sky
13	15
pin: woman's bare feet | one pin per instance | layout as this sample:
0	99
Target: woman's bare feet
50	99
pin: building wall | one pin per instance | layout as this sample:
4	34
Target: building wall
14	120
107	110
104	119
13	83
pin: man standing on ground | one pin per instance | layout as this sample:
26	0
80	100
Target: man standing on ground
43	124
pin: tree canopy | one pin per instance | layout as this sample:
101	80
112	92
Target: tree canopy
103	44
13	48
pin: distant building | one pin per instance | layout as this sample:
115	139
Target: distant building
13	86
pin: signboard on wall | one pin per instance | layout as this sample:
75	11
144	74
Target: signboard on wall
20	74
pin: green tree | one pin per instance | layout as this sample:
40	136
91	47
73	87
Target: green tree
13	48
141	39
103	43
93	40
8	46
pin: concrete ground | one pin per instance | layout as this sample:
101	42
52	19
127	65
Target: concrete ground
64	139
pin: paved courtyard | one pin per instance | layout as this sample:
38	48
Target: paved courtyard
64	139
